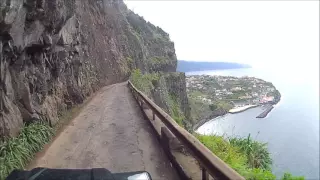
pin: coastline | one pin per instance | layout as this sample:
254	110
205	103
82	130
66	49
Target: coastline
241	109
276	95
211	117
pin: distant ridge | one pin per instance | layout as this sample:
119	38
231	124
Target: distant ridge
187	66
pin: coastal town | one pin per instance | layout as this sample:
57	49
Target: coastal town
241	93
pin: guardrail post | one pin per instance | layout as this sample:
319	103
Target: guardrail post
205	175
153	116
165	137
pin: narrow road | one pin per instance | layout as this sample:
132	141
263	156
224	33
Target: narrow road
112	133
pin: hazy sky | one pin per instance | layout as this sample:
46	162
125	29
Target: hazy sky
260	33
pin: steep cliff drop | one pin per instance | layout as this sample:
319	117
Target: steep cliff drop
55	53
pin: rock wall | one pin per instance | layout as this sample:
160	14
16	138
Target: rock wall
170	94
55	53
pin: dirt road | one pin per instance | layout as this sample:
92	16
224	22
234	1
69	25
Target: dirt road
110	132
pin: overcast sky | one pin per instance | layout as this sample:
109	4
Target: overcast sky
259	33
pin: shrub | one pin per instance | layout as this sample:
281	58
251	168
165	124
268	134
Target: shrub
288	176
220	147
242	154
156	60
158	63
226	106
175	110
257	153
130	62
258	174
213	107
143	82
16	152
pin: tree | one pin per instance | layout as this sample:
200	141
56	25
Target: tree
213	107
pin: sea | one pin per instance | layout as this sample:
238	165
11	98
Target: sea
291	129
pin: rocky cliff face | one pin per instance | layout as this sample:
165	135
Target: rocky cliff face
168	91
55	53
170	94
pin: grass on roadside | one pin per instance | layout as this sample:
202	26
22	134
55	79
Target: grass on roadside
16	152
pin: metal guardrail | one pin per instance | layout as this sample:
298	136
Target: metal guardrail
210	163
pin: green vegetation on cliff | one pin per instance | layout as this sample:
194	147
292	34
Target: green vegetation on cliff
16	152
149	83
248	157
201	111
144	81
175	109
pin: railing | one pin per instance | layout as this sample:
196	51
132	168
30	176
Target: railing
210	163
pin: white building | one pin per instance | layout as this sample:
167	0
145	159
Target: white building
236	89
206	100
270	89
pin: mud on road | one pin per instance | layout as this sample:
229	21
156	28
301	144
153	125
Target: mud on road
110	132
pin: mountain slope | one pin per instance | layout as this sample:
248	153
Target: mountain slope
55	53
